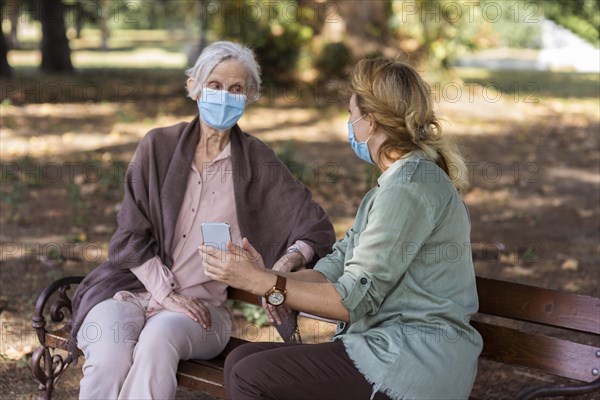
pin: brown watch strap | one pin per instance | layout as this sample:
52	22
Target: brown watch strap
280	283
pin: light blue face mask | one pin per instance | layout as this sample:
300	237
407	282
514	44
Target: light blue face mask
221	109
360	148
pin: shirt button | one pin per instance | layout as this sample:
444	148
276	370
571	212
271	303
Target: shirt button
183	235
193	210
363	281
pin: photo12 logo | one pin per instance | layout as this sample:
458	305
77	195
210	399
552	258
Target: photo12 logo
491	92
33	91
471	11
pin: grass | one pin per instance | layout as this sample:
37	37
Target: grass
532	85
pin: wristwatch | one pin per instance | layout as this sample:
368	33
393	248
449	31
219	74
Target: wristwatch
276	295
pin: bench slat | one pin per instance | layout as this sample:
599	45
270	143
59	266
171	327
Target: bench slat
543	306
543	353
201	377
58	340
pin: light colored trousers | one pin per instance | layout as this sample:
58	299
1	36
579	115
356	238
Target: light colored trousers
130	357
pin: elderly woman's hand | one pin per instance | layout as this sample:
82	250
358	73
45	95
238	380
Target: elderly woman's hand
240	267
289	262
190	306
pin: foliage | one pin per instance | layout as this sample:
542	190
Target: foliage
579	16
333	61
443	30
518	23
443	35
276	39
253	314
132	14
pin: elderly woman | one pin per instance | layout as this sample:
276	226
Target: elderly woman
401	282
151	303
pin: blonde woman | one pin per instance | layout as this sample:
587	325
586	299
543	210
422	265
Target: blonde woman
400	283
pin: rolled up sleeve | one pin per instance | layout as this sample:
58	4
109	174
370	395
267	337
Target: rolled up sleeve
354	291
399	222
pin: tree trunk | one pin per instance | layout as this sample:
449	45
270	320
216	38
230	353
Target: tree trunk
14	7
102	22
56	54
365	25
195	52
365	19
5	69
79	17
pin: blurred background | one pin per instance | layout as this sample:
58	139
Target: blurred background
516	82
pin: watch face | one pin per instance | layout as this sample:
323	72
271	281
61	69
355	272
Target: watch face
276	298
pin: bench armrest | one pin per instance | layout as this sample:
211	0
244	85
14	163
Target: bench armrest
57	307
46	365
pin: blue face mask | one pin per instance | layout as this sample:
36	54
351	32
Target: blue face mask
360	148
221	109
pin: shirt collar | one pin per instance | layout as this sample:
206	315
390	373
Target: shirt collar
408	157
226	153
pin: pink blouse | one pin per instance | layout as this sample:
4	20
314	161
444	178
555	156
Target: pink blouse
209	197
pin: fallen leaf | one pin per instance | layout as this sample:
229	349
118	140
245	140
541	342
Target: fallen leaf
570	264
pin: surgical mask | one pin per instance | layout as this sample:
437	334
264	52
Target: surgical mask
221	109
360	148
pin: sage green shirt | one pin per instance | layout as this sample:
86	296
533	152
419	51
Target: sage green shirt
405	274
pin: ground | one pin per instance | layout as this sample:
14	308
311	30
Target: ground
534	164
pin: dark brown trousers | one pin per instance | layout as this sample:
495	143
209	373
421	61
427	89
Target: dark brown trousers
285	371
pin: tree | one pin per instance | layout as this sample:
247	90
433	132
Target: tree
436	32
13	16
203	18
5	69
56	53
580	16
366	24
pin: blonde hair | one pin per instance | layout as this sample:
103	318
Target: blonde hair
400	102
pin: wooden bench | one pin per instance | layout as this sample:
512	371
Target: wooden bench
501	304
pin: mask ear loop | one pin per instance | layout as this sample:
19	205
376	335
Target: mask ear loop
358	119
370	124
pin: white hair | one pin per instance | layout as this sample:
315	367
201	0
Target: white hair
214	55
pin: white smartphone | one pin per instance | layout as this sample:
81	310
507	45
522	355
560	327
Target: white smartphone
216	234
